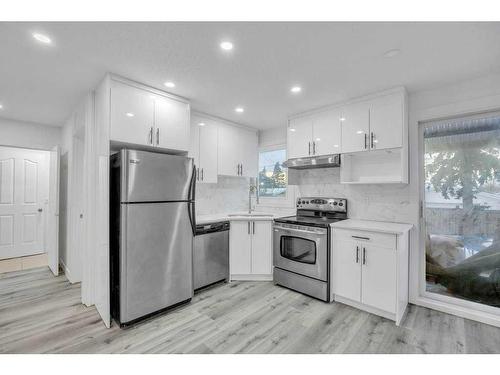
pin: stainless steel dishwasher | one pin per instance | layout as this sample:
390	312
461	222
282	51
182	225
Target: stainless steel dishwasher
211	254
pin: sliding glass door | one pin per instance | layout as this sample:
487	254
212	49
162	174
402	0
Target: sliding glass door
462	208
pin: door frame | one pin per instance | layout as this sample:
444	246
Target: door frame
451	305
45	230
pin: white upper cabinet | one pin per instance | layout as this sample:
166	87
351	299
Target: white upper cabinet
314	135
238	151
203	149
326	132
148	118
386	122
172	126
355	127
132	115
299	137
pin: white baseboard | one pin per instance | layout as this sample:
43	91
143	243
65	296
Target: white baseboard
66	271
251	278
371	310
460	311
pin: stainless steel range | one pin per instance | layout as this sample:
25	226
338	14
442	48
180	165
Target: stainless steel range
301	246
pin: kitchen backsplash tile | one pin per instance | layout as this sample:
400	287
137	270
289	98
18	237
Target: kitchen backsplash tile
229	194
370	202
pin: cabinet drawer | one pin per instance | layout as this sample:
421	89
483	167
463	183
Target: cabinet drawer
378	239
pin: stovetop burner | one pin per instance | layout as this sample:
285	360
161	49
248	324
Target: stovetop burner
317	212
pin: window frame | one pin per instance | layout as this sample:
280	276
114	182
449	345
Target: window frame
288	201
449	304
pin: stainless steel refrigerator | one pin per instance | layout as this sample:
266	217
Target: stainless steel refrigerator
151	233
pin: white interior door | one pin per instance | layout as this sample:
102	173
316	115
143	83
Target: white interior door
23	196
53	212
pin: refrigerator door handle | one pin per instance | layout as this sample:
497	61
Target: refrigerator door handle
191	206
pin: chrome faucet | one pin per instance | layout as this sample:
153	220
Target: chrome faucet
253	189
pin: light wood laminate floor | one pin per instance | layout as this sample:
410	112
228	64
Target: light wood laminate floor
40	313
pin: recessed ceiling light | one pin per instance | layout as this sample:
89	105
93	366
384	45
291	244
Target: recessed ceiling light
226	46
129	114
318	139
239	109
296	89
201	124
360	132
1	106
292	129
342	118
169	84
335	145
42	38
392	53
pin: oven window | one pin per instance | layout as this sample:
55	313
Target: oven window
298	249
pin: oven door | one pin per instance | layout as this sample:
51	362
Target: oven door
301	249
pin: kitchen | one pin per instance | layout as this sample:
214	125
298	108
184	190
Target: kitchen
295	218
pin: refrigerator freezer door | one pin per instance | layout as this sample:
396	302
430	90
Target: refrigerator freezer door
152	177
155	259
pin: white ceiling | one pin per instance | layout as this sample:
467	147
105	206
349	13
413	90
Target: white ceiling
331	61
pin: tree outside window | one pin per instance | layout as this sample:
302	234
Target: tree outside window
273	176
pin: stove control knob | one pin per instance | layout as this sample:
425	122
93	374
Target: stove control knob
334	203
341	204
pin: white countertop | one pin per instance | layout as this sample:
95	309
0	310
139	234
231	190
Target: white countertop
373	226
213	218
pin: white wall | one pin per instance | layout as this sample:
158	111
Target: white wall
28	135
399	203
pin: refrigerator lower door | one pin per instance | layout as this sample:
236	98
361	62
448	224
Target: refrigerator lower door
155	259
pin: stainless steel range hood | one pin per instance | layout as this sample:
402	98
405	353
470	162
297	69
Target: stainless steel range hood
324	161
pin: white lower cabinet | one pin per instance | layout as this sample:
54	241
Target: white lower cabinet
370	271
250	250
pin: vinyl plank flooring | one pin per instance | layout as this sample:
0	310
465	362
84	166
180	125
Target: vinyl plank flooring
40	313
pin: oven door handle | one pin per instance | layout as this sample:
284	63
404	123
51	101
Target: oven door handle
288	230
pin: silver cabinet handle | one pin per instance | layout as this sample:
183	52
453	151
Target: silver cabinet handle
366	141
157	136
357	254
241	169
372	136
364	255
253	227
248	227
202	174
361	238
314	148
151	135
238	170
309	148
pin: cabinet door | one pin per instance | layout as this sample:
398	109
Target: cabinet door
132	115
250	153
240	254
230	153
347	267
386	122
262	247
194	141
326	132
172	124
299	138
208	152
355	127
379	277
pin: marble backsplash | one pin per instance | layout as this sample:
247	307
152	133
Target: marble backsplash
229	194
370	202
